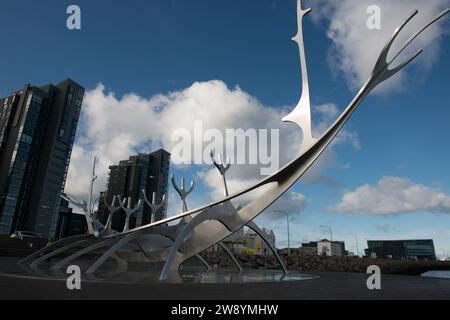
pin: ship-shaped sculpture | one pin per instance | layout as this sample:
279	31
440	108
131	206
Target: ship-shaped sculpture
199	229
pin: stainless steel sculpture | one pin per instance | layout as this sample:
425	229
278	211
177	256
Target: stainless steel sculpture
89	212
301	115
112	209
223	168
182	191
129	210
154	207
93	226
201	228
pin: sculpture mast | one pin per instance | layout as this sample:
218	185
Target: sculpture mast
89	204
301	115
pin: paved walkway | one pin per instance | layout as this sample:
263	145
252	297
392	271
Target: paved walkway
329	286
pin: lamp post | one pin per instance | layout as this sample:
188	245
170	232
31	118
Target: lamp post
288	231
330	230
357	247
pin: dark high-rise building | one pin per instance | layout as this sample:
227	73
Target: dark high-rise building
37	131
401	249
70	223
148	172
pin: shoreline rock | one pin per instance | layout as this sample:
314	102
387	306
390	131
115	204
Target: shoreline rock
328	264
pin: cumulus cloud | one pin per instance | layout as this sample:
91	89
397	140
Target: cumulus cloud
392	196
113	128
355	48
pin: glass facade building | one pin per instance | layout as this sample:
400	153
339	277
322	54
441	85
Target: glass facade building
402	249
37	131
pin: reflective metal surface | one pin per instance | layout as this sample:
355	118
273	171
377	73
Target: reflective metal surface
199	229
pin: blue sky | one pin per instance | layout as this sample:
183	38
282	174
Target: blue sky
153	48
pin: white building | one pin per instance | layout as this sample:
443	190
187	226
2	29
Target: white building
331	248
248	242
256	244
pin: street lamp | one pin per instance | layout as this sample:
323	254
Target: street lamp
288	232
357	247
330	230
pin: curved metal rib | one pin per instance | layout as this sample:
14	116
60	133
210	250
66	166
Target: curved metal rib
203	261
108	254
258	230
157	254
231	255
55	252
50	248
95	246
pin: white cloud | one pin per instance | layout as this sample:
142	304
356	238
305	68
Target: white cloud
329	111
114	128
391	196
356	48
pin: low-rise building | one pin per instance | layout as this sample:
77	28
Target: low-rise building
249	242
323	248
401	249
331	248
256	243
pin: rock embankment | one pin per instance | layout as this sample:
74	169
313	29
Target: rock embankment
328	264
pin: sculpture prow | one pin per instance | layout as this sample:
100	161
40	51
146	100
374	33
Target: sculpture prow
216	221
